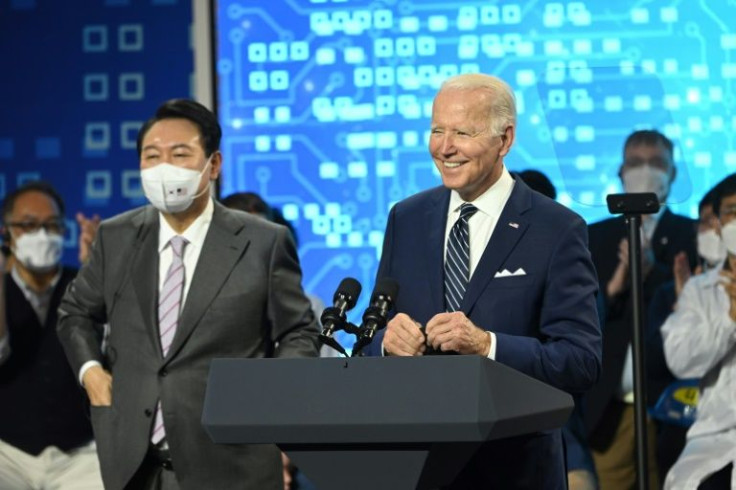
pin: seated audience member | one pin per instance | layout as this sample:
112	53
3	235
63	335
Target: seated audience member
45	433
578	458
538	182
699	342
711	251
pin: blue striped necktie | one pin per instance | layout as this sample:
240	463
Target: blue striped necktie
457	259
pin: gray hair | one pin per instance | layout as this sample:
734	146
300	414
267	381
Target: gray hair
503	101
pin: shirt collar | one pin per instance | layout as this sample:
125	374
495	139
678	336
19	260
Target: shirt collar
27	289
492	201
194	234
650	221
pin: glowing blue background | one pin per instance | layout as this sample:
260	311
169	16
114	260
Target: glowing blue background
325	104
79	79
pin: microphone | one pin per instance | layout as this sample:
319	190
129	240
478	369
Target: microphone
333	317
375	316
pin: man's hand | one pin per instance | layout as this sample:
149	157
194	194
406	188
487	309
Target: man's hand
403	337
619	281
681	272
87	232
455	332
98	384
729	285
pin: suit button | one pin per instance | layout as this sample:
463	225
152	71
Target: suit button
164	372
148	412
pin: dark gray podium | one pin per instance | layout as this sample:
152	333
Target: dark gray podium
377	423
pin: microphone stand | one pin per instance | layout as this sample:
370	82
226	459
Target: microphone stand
632	206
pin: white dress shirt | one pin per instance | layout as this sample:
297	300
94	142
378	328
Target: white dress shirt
195	235
490	204
700	342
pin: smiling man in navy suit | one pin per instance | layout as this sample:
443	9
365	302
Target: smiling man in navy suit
487	266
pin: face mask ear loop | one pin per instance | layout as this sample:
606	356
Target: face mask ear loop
207	187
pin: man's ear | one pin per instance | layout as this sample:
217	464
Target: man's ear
215	165
508	136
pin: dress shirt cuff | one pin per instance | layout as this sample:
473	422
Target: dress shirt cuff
84	369
492	350
4	348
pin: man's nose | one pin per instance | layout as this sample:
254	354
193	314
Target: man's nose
447	145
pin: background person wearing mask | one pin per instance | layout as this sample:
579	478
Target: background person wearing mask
700	342
180	282
648	166
671	429
45	434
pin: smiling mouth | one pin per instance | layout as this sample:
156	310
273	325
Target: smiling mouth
452	164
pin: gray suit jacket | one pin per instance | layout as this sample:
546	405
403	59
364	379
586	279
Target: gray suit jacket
245	300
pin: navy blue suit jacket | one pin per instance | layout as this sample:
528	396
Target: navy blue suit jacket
545	321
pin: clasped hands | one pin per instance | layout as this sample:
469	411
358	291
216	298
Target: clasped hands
444	332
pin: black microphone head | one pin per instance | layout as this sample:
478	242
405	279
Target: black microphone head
349	290
386	287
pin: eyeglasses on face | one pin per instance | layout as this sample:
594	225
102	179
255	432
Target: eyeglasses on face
55	226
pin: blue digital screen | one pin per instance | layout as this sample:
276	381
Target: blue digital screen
325	104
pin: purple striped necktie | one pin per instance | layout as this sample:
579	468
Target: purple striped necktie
169	307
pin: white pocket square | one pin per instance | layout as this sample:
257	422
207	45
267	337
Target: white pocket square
508	273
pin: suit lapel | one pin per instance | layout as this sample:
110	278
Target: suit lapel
144	270
223	246
436	220
660	237
510	228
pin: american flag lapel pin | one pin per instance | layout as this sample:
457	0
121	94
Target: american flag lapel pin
513	225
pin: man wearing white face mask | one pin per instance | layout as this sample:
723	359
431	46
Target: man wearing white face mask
647	166
700	342
670	429
180	282
45	434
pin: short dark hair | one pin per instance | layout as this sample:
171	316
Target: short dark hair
538	182
203	118
31	186
649	137
725	188
708	199
250	202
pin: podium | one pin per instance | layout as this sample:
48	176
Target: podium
368	423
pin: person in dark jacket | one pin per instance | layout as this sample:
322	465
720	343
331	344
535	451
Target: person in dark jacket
45	433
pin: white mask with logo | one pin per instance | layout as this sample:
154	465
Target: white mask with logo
728	235
172	189
39	251
645	178
711	247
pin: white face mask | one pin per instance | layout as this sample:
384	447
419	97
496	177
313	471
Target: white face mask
39	251
645	178
172	189
711	247
728	235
